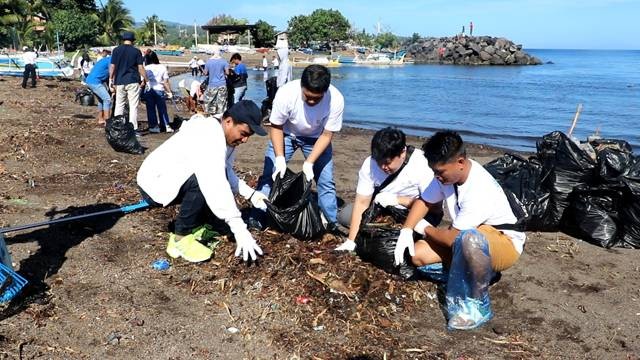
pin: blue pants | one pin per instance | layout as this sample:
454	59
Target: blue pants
155	101
104	98
322	170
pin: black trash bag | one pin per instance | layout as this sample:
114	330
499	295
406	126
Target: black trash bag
121	136
612	164
593	213
601	144
630	213
293	209
272	87
85	97
376	243
521	180
564	166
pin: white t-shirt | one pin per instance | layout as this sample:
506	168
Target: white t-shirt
29	57
193	63
300	119
198	148
157	74
411	181
480	200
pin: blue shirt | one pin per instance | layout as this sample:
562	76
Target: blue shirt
99	72
126	58
215	68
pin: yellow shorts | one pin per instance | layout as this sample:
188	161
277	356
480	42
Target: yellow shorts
503	253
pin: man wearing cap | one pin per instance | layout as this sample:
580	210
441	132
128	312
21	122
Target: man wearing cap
29	59
195	169
127	76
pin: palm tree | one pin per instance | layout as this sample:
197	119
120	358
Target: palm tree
114	19
146	32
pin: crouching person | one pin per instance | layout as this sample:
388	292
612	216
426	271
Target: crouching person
195	169
393	175
478	243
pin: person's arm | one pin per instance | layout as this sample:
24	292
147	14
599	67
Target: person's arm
406	201
112	75
443	237
418	211
360	204
320	146
143	74
277	139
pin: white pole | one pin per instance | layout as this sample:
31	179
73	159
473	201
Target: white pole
195	32
155	36
249	37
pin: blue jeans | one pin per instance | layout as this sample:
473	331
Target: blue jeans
104	98
155	101
238	93
322	170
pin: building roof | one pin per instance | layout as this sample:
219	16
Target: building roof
220	29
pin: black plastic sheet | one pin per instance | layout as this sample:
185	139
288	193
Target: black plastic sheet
564	166
630	214
121	136
293	209
612	164
593	215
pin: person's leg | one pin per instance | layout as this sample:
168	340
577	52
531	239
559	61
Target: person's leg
133	95
152	118
344	215
503	253
323	173
192	203
163	115
239	93
209	101
25	76
33	76
430	253
121	97
222	99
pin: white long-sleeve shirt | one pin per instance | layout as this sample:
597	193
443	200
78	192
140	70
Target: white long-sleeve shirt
198	148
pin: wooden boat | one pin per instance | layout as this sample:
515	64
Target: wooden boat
12	65
319	60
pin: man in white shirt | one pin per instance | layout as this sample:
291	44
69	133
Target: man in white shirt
195	168
29	58
304	116
389	155
481	239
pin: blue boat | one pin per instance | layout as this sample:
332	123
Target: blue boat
46	67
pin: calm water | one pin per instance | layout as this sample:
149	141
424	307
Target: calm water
502	106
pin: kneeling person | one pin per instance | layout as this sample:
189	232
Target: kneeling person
481	239
195	168
394	174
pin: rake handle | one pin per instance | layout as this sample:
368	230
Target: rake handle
124	209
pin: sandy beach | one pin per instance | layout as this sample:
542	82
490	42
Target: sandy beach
93	293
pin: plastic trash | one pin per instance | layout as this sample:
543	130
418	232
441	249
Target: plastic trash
161	264
630	214
293	209
121	136
467	294
434	272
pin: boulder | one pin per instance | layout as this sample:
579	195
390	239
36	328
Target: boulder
485	56
490	50
501	43
475	47
496	60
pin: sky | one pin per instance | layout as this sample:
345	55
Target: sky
536	24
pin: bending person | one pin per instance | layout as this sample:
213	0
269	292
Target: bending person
481	239
395	175
195	169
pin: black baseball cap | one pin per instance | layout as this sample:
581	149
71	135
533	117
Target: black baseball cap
246	111
128	35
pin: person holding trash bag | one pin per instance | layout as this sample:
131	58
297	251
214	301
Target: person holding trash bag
395	174
305	115
481	239
195	168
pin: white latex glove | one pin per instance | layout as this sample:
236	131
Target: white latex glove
257	200
247	246
405	241
307	169
169	95
421	226
280	167
348	245
386	199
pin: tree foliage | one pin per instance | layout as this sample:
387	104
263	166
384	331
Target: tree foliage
321	26
75	27
145	34
265	35
114	19
386	40
223	19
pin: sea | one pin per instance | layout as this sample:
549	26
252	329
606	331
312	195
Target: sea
505	106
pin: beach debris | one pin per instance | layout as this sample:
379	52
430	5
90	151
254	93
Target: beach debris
161	264
232	330
303	300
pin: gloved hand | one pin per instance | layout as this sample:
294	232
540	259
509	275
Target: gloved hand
386	199
247	246
169	95
280	167
307	169
348	245
405	241
257	200
421	226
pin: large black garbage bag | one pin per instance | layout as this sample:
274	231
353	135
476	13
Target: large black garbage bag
522	179
272	87
564	166
293	209
593	213
121	136
630	214
612	164
375	243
